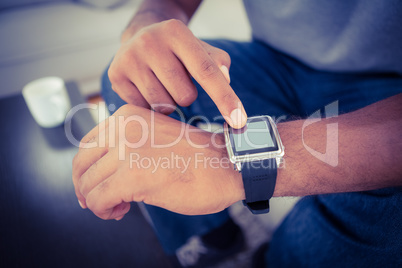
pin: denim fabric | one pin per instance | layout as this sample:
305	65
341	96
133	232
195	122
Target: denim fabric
354	229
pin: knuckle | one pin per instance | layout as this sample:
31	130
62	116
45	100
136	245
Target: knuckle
77	167
114	81
145	40
112	74
226	97
104	216
82	189
128	59
224	54
187	99
86	140
101	214
78	194
91	203
96	207
156	97
172	73
174	25
208	69
152	93
226	57
138	195
129	63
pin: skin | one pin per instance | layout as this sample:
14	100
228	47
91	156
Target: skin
107	185
158	55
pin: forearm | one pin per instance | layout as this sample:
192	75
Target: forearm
369	152
154	11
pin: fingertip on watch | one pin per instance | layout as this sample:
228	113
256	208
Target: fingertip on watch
238	118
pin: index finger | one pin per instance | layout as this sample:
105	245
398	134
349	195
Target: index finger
210	77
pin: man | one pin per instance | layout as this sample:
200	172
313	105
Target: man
304	56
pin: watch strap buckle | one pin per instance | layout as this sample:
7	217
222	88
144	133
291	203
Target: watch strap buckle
258	207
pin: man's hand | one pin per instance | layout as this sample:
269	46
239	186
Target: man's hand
139	155
154	66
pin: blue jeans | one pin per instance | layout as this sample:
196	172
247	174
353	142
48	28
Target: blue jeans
357	229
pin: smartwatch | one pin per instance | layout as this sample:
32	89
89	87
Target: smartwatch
256	150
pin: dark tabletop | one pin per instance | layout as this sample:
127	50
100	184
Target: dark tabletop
41	223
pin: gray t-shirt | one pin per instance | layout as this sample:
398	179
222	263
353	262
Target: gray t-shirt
335	35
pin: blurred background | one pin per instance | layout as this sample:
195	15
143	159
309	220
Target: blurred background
76	39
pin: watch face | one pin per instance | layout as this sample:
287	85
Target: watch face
256	136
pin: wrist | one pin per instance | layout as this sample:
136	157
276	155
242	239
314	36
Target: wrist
148	16
236	188
138	22
289	173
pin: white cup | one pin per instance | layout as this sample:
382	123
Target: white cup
47	100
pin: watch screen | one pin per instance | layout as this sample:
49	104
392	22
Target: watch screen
255	137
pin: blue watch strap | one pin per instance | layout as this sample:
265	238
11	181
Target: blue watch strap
259	179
